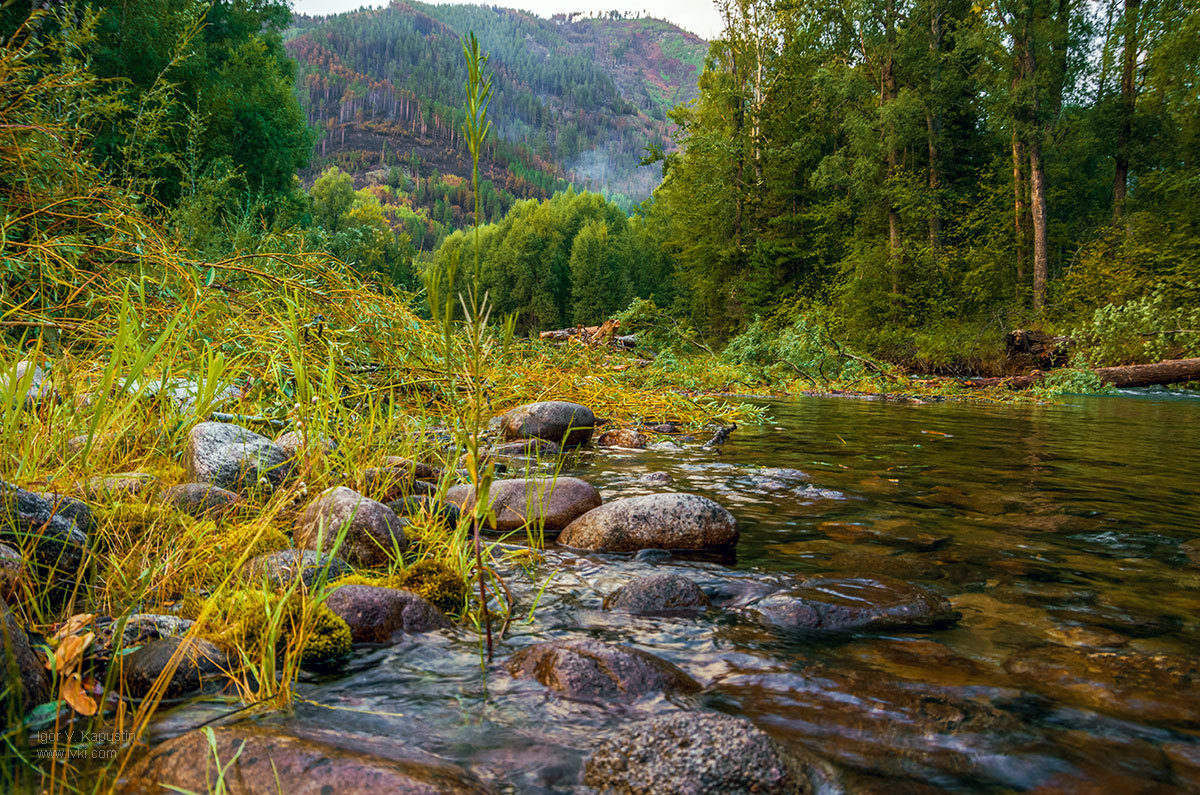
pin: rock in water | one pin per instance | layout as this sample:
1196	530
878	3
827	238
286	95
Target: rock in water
233	457
518	502
834	604
30	521
566	424
383	615
200	663
597	671
373	531
260	760
703	753
658	593
21	670
622	437
201	499
670	521
279	569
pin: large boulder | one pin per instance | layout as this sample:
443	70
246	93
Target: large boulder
835	604
12	566
566	424
594	670
199	663
74	509
373	530
30	522
21	670
233	457
280	569
518	502
655	521
702	753
383	615
658	593
201	499
253	760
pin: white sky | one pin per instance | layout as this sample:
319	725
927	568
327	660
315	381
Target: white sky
698	16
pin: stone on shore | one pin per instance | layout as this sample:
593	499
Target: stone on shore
670	521
280	569
21	670
373	531
233	457
566	424
200	663
30	521
201	499
518	502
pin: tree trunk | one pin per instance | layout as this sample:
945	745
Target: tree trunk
1037	200
1128	105
1172	371
933	125
1020	210
888	95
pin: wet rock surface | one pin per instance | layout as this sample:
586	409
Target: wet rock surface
566	424
828	604
201	499
1154	688
658	593
200	663
373	531
261	760
280	569
517	502
662	521
233	457
599	671
705	753
384	615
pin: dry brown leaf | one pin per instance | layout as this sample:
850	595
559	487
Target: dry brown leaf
74	624
72	692
70	652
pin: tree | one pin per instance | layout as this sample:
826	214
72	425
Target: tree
333	196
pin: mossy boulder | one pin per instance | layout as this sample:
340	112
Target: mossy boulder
435	581
248	620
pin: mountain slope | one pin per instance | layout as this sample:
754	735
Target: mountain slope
576	99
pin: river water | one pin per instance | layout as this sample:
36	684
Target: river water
1054	530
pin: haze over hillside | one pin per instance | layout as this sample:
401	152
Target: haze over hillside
577	99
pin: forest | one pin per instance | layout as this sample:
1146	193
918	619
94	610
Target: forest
446	398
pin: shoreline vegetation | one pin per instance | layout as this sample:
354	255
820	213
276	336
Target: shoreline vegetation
212	465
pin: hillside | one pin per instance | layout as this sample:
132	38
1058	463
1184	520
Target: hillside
577	100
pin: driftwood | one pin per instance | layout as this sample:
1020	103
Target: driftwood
591	335
1172	371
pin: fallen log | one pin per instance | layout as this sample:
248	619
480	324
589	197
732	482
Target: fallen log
591	335
1172	371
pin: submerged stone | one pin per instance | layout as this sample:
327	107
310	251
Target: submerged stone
383	615
834	604
598	671
658	593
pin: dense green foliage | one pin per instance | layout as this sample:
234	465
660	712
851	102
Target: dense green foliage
575	258
935	172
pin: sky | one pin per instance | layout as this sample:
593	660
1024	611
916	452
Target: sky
698	16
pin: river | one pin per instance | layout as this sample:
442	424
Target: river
1054	530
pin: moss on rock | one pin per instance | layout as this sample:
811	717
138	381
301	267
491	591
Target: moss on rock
437	582
247	621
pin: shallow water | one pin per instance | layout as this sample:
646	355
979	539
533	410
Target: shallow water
1054	530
